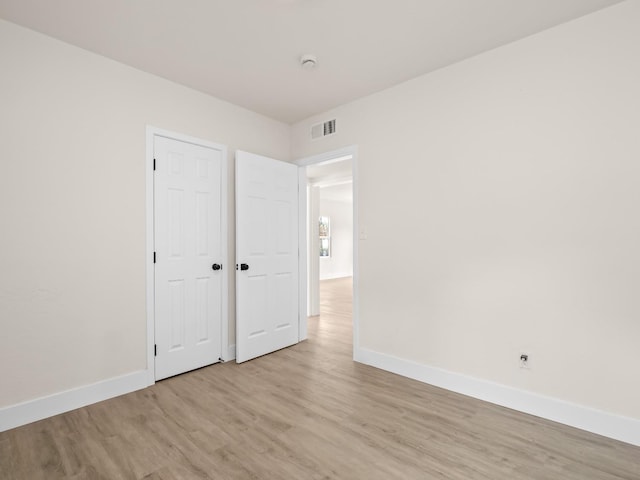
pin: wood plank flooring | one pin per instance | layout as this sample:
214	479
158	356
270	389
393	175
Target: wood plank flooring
306	412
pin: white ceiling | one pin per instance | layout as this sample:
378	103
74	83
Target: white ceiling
335	179
247	51
330	172
337	193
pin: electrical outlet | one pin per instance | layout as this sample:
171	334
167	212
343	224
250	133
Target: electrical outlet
525	360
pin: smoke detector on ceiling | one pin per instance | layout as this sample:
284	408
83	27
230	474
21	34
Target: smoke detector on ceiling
308	61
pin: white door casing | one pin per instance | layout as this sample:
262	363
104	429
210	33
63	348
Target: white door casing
188	233
267	245
313	260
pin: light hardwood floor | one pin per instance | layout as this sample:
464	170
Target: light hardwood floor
306	412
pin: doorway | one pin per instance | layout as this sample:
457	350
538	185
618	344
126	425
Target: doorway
330	227
330	234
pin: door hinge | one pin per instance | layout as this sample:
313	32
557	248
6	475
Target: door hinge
155	350
154	164
154	257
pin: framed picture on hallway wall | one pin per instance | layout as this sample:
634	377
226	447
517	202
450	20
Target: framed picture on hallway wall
325	236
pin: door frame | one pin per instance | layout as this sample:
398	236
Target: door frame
152	132
334	155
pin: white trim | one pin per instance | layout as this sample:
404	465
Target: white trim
332	182
335	276
621	428
302	254
329	157
356	254
313	245
33	410
228	265
224	226
150	270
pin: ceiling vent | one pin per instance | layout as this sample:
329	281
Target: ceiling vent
320	130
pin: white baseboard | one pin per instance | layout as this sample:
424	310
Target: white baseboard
336	276
609	425
43	407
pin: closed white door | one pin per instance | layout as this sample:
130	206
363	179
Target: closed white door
188	256
266	255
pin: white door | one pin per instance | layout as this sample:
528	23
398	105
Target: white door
266	255
188	256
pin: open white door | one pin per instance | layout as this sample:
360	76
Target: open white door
188	252
266	255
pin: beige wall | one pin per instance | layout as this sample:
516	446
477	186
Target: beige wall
513	225
503	194
72	204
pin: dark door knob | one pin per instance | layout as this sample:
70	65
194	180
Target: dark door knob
244	266
216	266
